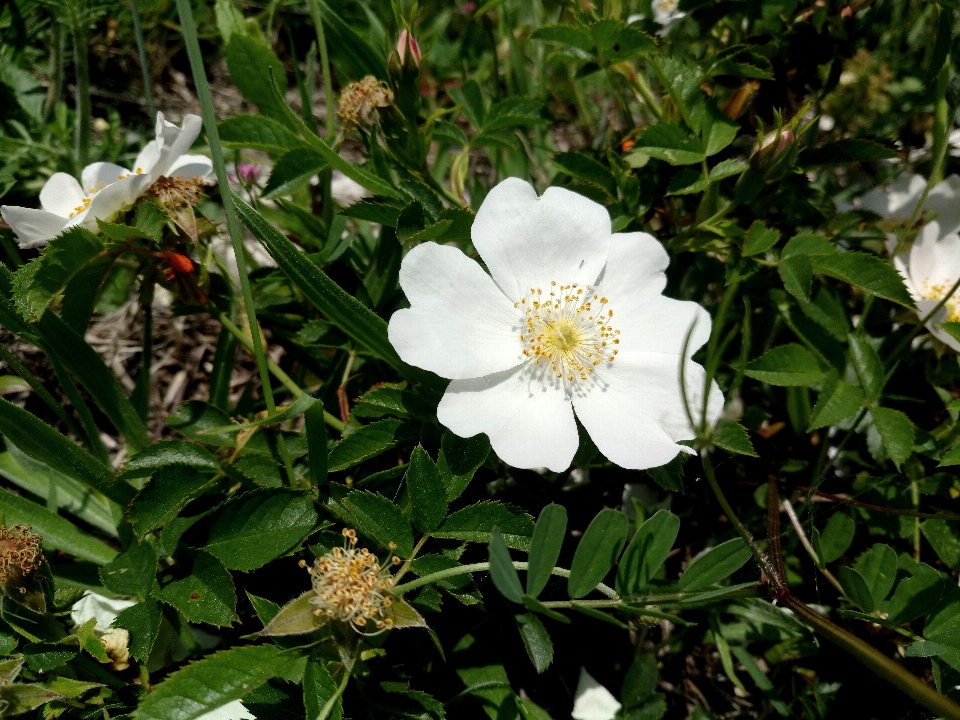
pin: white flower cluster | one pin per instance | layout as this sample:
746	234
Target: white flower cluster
570	320
931	265
106	189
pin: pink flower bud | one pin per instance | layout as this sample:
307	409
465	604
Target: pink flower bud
407	42
248	172
786	137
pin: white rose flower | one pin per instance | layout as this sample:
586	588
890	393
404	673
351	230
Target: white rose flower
572	320
666	13
897	203
930	270
106	189
593	701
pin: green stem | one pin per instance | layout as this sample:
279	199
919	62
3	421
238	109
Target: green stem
82	68
324	65
90	430
941	129
275	369
713	359
876	661
189	30
484	567
56	71
643	89
329	704
144	64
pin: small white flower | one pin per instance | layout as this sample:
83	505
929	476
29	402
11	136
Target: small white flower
104	609
666	13
593	701
106	189
897	203
930	270
572	319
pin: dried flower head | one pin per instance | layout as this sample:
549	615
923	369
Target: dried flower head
177	192
20	554
360	100
352	586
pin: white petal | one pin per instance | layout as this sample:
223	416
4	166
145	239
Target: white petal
593	701
33	227
100	174
176	141
934	263
901	264
188	166
459	324
231	711
148	156
115	198
530	423
944	198
104	609
634	412
529	242
62	195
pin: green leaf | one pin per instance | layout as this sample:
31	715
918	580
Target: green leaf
672	143
378	210
249	531
896	431
65	256
836	536
513	111
856	589
43	657
295	409
577	36
597	552
868	272
133	572
90	641
205	685
788	365
393	401
318	689
536	640
545	546
844	152
727	168
164	496
759	239
647	552
403	615
502	571
142	621
761	680
31	624
878	568
585	168
57	532
297	617
352	56
733	437
944	538
869	368
380	519
797	274
19	698
166	453
88	367
293	171
837	401
254	68
202	589
195	418
459	459
38	440
365	443
686	182
475	523
427	494
257	132
356	320
718	563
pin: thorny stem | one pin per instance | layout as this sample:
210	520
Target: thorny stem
941	515
805	541
483	567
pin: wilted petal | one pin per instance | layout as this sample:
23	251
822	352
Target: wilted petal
530	423
62	195
459	324
528	242
593	701
33	227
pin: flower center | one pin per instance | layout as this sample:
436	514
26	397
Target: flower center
352	587
569	327
938	292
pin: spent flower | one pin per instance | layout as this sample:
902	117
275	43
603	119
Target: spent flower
360	100
20	555
351	585
106	189
571	319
